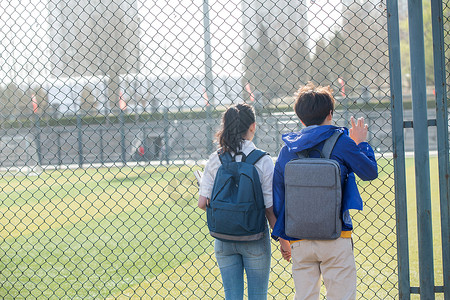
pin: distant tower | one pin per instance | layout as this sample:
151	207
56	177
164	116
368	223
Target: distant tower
93	37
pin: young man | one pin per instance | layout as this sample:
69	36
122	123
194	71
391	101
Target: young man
333	259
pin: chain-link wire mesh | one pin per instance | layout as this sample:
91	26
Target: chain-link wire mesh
108	108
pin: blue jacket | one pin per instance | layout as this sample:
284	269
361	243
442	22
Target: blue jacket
352	158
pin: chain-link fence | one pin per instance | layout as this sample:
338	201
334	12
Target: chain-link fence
107	108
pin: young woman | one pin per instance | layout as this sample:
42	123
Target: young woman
236	134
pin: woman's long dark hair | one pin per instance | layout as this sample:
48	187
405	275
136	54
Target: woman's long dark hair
235	123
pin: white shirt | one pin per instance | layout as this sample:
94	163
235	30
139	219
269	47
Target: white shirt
264	167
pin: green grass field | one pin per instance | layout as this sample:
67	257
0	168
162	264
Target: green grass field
136	233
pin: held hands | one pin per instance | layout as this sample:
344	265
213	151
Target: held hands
285	248
359	130
203	202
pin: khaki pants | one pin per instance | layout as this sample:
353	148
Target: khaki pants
333	259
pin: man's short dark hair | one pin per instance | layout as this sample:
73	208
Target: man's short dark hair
313	103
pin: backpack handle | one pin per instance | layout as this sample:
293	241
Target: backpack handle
240	153
226	157
252	158
305	153
327	147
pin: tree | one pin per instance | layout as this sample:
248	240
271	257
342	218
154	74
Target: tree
251	68
88	101
100	38
269	72
340	65
42	100
364	31
14	102
320	70
263	69
297	66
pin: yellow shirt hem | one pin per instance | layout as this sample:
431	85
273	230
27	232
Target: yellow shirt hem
344	234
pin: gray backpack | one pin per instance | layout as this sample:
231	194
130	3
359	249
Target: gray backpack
313	195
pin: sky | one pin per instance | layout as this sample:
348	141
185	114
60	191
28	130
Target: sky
23	39
172	36
177	31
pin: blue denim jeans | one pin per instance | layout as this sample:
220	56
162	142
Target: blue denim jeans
253	257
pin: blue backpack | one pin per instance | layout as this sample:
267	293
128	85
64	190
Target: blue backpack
236	210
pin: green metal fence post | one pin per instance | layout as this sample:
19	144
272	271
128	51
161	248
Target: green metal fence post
442	136
398	151
421	149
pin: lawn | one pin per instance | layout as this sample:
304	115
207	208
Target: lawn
136	233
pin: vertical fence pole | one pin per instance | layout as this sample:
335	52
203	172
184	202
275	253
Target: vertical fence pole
442	136
37	124
398	151
166	134
146	153
277	133
346	104
122	136
102	160
58	145
208	76
421	150
258	112
80	140
257	119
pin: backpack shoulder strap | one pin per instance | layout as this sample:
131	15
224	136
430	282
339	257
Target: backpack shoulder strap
329	144
254	156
